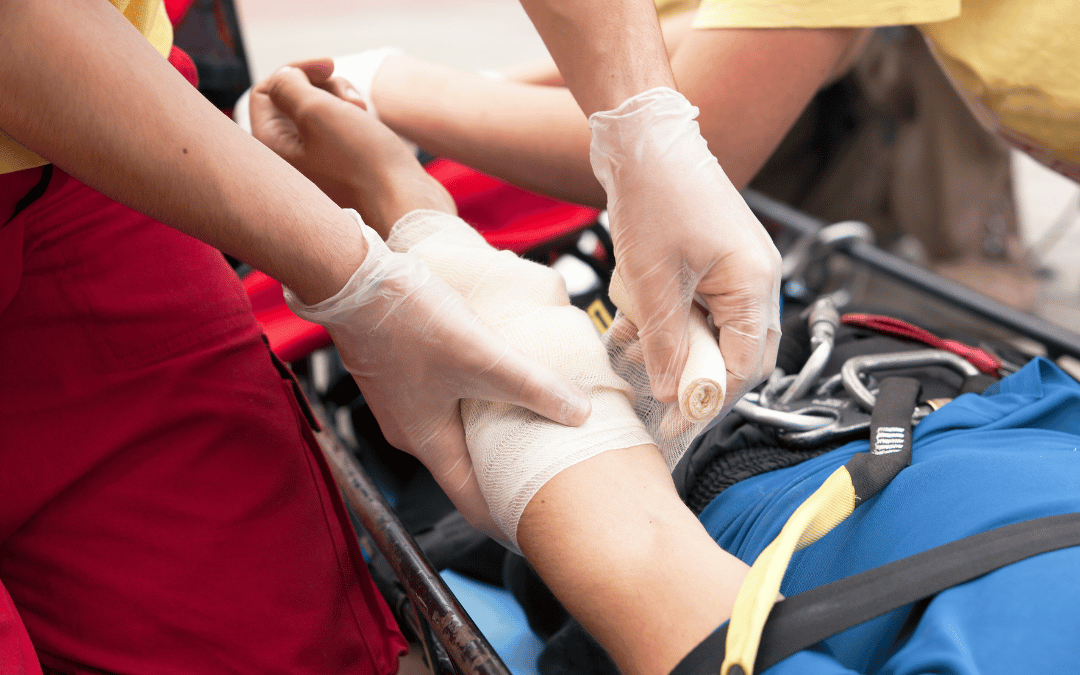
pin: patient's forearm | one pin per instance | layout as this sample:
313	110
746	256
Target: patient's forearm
612	539
529	135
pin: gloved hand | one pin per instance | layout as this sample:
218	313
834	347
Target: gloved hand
416	349
514	452
681	230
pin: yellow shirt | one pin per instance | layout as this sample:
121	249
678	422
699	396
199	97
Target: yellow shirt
1016	62
149	17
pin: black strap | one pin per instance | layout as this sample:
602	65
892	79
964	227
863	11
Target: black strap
808	618
890	438
35	192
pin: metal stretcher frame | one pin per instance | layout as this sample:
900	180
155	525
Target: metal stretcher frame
452	643
1057	340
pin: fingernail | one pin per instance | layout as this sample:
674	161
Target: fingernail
353	94
284	69
576	409
664	386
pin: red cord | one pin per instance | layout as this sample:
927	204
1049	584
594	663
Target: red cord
980	358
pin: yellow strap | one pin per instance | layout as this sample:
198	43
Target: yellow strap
822	511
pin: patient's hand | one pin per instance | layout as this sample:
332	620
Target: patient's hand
318	124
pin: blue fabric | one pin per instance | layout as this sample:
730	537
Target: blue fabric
978	463
501	620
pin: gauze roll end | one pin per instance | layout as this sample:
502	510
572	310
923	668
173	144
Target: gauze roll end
703	383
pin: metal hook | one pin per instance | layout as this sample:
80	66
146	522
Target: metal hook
854	367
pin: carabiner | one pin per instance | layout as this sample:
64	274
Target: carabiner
853	368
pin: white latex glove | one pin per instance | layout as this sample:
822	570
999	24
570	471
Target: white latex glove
416	349
682	230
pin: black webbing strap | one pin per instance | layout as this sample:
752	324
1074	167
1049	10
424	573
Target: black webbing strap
35	192
864	475
805	619
890	438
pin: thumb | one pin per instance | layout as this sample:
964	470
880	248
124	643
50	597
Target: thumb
659	305
522	381
665	346
663	319
318	71
290	91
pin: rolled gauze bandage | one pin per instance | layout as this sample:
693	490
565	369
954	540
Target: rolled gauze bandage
703	383
515	451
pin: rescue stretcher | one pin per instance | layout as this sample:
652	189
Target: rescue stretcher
451	641
838	262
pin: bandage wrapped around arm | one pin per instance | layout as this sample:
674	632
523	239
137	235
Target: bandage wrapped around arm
513	450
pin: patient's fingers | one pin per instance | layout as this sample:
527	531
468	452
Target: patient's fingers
293	94
318	70
340	87
269	123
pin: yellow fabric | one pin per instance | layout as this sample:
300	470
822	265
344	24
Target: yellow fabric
150	18
1018	63
821	512
821	13
668	8
1014	61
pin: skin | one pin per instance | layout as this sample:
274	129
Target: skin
607	50
203	175
624	555
751	86
162	149
610	535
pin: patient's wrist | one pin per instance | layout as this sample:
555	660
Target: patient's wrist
384	196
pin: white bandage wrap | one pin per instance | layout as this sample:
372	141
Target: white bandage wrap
515	451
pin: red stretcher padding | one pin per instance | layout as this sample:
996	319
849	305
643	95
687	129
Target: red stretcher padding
509	218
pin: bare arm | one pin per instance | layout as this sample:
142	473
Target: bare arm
624	555
544	70
751	86
530	135
84	89
606	50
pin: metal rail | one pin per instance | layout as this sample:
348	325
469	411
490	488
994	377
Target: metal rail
466	646
1056	339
